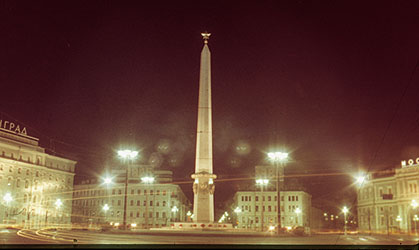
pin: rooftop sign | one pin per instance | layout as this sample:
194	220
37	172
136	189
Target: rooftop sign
12	127
410	162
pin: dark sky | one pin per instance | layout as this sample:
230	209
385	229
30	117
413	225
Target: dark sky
332	82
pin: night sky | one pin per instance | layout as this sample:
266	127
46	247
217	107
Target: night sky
334	83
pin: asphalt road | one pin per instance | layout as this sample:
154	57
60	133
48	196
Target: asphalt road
8	236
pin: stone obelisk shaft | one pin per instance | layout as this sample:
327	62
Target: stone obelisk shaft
203	186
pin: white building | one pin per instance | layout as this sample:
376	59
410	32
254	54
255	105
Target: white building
257	206
147	205
387	200
35	187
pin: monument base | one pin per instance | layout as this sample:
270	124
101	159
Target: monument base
201	226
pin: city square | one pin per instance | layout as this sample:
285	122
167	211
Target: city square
149	138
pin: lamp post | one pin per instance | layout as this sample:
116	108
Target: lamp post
344	210
7	198
126	155
298	212
414	205
278	157
147	180
58	204
237	210
174	211
107	181
262	183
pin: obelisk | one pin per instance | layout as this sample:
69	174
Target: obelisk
203	186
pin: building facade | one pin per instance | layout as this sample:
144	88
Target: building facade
387	200
257	208
35	187
148	205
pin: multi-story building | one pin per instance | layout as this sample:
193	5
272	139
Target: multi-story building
35	187
257	208
148	205
387	200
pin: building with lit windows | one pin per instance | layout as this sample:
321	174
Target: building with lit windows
257	206
35	187
149	205
388	200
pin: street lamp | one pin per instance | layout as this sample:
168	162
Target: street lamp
262	183
278	157
105	207
414	205
298	212
147	180
7	198
126	155
345	210
174	210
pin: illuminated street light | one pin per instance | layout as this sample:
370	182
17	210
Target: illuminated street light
107	180
58	203
262	183
345	210
360	180
147	180
414	204
126	155
7	197
105	207
175	209
237	210
278	157
189	213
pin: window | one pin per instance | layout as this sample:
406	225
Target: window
164	192
282	198
27	172
10	169
132	203
164	203
250	198
119	202
257	220
26	184
164	214
293	198
289	198
139	191
113	191
242	198
131	214
269	209
158	192
257	198
276	198
19	171
138	214
263	208
256	208
119	191
245	198
269	198
151	203
151	192
145	203
37	174
263	198
296	198
132	191
157	214
157	204
138	203
18	183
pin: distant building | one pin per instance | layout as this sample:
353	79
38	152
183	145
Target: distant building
386	200
255	205
148	205
35	187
